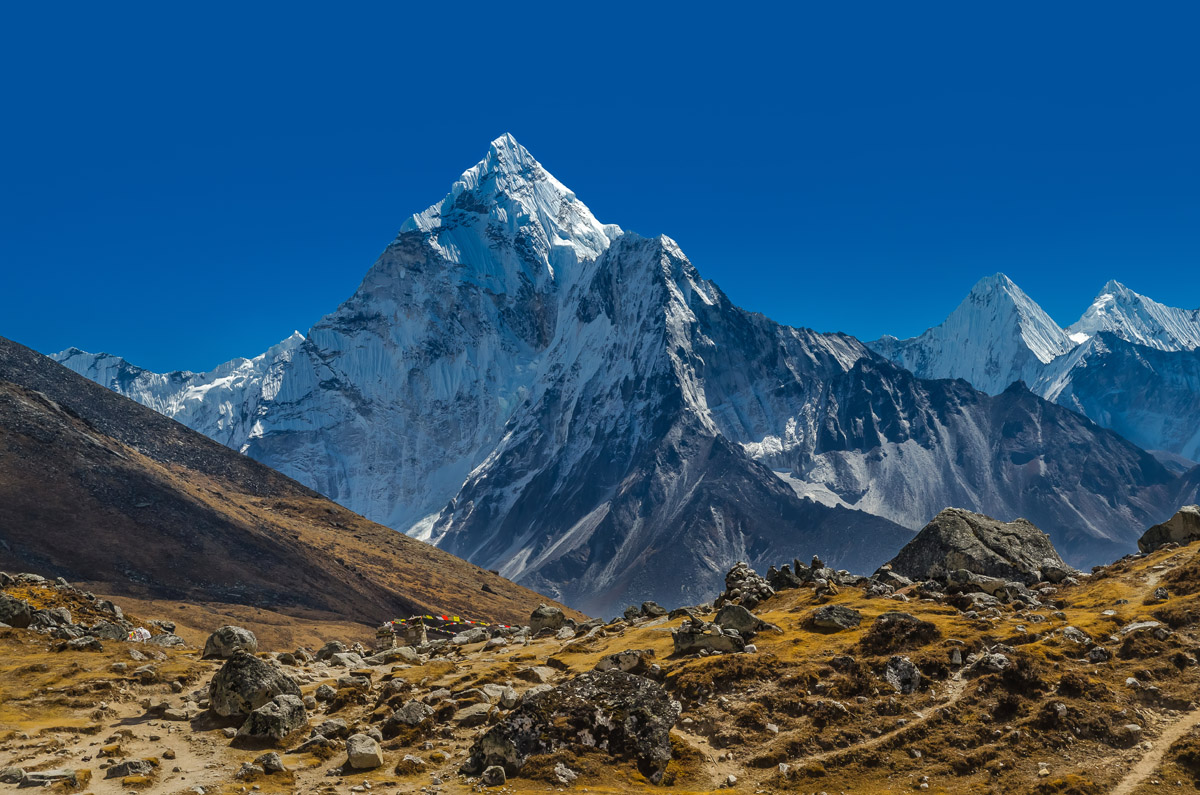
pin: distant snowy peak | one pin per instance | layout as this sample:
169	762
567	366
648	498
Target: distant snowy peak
1138	319
996	336
508	200
999	297
224	403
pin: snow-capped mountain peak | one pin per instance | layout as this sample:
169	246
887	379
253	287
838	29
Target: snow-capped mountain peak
996	336
1138	319
509	196
998	294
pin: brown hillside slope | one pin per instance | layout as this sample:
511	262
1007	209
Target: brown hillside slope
99	489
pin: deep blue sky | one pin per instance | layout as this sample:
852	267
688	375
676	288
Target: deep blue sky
182	185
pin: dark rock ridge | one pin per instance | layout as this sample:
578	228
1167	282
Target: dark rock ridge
961	540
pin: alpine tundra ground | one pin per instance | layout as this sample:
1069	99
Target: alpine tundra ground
807	712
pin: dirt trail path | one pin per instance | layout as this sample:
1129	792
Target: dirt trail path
1152	758
957	686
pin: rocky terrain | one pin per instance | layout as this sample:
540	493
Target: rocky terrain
929	675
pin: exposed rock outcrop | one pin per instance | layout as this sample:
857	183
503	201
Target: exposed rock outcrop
961	540
227	640
1182	528
628	715
245	683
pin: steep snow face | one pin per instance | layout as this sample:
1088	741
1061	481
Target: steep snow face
1136	318
996	336
406	388
394	398
224	404
613	483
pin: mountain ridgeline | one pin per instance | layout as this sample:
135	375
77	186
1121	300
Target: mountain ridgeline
1129	363
576	407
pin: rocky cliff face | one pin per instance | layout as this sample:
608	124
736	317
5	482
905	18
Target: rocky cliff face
576	407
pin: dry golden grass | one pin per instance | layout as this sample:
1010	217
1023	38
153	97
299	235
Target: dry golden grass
839	727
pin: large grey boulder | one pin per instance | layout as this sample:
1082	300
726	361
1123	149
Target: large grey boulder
737	617
694	635
363	752
835	618
227	640
545	617
469	636
276	720
902	674
399	654
245	683
628	715
15	612
1182	528
631	661
959	539
410	716
331	648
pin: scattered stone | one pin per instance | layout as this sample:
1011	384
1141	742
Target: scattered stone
276	720
1076	635
493	776
167	640
228	640
633	661
249	772
544	617
246	683
700	636
472	635
564	774
363	752
473	715
652	610
989	663
270	762
329	649
132	767
334	729
739	618
902	674
65	778
15	612
630	715
835	618
85	643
